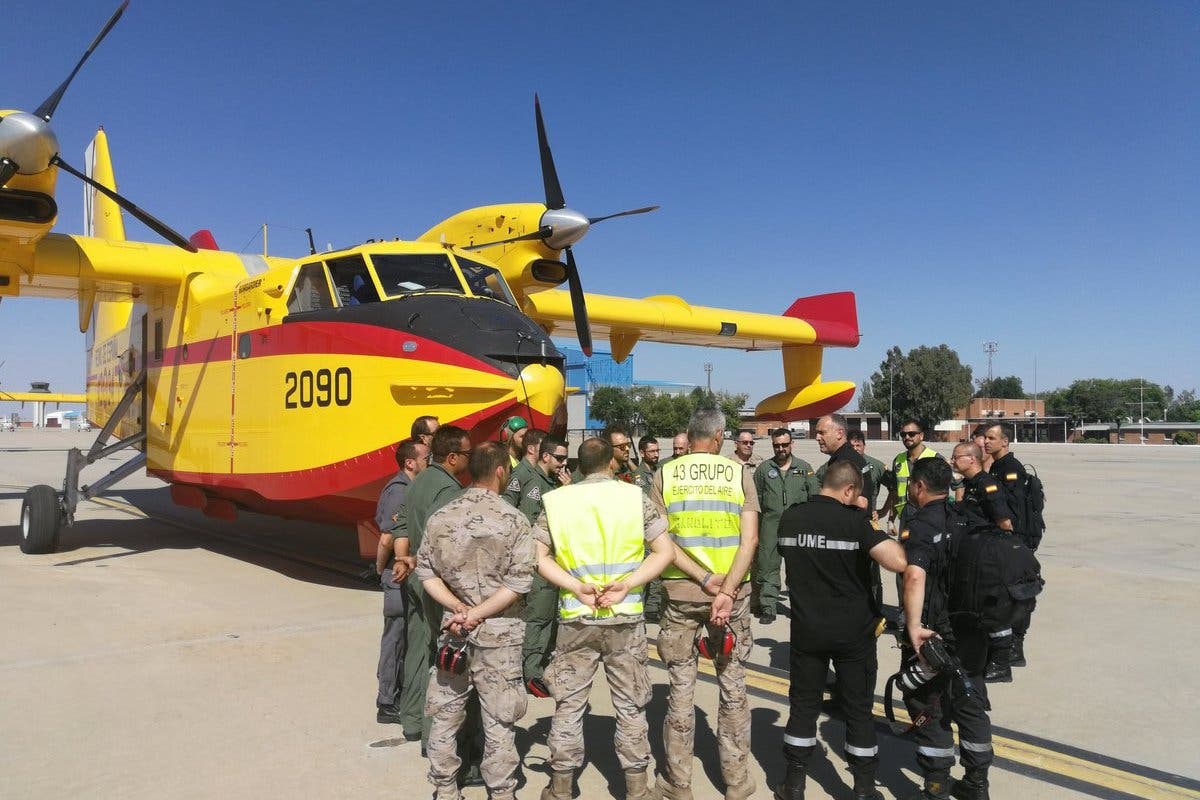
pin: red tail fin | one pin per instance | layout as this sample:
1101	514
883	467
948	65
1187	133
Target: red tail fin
204	240
833	316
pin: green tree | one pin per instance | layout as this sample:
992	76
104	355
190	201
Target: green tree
612	406
1107	400
1008	387
1183	407
927	384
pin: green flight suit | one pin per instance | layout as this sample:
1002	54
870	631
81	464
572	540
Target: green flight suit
521	474
877	470
778	489
428	492
541	604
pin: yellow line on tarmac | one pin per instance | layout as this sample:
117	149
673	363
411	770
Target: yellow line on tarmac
1031	755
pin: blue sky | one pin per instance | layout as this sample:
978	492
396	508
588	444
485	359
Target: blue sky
1021	172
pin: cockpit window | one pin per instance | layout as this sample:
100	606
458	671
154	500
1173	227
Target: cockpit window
401	274
311	292
352	281
485	281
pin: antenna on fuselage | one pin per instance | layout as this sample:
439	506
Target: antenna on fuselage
312	248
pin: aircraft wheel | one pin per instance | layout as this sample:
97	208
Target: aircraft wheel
41	519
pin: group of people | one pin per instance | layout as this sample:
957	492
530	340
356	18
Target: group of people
532	577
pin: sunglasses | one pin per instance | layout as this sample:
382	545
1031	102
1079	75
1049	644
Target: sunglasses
624	446
784	446
460	452
745	441
559	458
908	434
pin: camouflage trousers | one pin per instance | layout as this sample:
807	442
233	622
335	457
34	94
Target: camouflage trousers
676	647
581	648
494	674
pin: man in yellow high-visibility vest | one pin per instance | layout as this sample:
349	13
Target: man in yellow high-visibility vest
912	433
712	510
592	539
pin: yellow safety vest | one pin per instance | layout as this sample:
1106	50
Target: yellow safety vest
703	495
599	537
900	469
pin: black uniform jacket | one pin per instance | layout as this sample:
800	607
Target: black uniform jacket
926	541
826	549
986	499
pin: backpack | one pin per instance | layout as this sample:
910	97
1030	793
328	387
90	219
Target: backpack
993	578
1035	503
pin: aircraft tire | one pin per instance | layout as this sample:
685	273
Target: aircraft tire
41	519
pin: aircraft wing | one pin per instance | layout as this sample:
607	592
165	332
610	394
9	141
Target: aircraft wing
807	326
45	397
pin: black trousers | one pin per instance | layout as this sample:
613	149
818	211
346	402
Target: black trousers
947	703
856	667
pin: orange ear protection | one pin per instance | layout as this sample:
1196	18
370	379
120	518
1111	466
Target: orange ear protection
452	657
715	642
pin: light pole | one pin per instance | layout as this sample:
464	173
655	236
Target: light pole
891	394
708	376
990	348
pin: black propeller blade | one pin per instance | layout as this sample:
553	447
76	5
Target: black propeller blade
161	228
631	212
46	109
554	193
583	329
541	233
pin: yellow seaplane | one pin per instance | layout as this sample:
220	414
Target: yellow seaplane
281	385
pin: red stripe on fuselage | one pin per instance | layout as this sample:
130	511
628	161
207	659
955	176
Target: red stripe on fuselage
342	493
326	338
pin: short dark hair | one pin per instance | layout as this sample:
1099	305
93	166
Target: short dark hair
447	440
550	444
934	473
775	434
611	429
911	421
485	458
840	475
595	454
405	450
645	442
421	425
533	438
1004	431
857	435
980	430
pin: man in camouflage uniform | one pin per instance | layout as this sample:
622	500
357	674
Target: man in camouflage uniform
526	469
541	604
781	482
429	491
393	563
648	448
600	613
699	596
476	561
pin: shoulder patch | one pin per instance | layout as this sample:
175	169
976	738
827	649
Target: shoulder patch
904	534
1012	476
772	474
534	494
992	488
514	485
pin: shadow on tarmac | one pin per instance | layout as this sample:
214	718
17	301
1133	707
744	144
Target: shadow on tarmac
294	541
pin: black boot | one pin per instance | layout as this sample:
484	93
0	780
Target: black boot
864	784
1018	652
937	787
973	786
792	787
998	673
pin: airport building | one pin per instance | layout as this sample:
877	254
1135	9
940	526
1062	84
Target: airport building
585	375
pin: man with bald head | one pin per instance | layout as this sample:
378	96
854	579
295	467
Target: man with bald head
983	496
833	440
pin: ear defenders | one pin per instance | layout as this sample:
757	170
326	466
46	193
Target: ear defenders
715	642
453	657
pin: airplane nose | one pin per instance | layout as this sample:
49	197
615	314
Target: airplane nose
543	387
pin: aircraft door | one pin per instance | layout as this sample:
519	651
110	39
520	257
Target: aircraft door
252	390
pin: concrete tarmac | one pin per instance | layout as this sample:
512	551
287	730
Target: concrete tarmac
159	653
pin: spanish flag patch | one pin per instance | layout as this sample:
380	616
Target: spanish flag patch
992	488
903	534
1012	476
